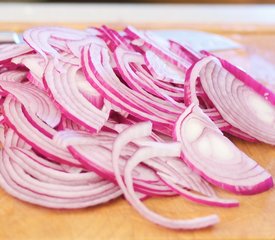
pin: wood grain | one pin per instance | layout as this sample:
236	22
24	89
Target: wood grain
254	219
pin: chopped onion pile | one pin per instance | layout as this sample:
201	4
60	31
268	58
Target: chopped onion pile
87	116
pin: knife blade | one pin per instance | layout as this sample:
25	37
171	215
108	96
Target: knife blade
10	37
199	40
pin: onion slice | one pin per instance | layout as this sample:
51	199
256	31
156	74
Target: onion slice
34	100
99	72
16	119
214	157
64	90
172	150
39	38
8	51
158	45
13	76
17	182
235	99
163	71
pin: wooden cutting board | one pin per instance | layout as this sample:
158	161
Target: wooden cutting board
254	219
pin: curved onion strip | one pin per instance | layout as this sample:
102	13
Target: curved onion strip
129	66
99	160
163	71
66	123
94	152
34	62
8	51
233	98
35	158
58	44
35	100
157	45
72	137
142	130
38	124
100	163
116	38
213	156
16	119
184	51
38	38
13	76
77	45
218	202
35	80
99	75
12	139
175	170
191	96
63	88
92	95
240	134
181	174
246	79
60	190
42	176
9	178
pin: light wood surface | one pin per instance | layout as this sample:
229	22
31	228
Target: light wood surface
117	220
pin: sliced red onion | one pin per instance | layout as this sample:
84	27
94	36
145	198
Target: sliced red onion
38	124
139	81
101	76
240	134
164	150
16	119
53	189
20	184
35	80
58	44
185	51
34	62
211	201
191	96
163	71
48	178
13	76
35	100
181	174
89	92
12	139
8	51
98	158
115	39
94	151
235	100
128	77
69	124
39	38
181	179
213	156
247	79
76	46
41	166
72	137
63	88
92	31
156	44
